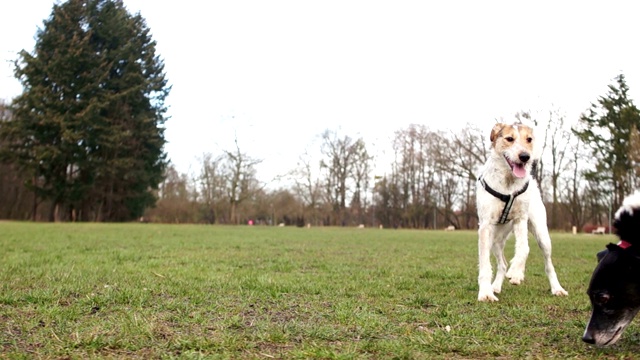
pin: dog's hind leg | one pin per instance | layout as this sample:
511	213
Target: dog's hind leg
538	227
519	261
500	239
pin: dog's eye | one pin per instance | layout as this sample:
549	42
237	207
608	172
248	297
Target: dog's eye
602	298
529	139
509	139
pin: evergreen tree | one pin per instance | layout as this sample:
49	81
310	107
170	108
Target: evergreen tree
608	128
89	123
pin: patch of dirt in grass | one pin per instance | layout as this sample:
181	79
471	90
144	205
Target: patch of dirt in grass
271	350
68	300
275	312
11	333
163	331
145	353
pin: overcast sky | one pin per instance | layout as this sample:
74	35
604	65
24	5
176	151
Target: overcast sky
276	74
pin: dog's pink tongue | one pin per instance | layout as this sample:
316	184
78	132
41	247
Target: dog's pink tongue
519	171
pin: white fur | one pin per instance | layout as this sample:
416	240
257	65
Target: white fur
527	214
630	203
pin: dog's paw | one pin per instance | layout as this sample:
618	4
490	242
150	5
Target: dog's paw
516	280
516	277
496	286
487	297
559	292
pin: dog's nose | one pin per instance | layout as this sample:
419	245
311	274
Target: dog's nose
588	337
524	157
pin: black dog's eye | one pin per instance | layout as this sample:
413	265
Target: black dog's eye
529	139
602	298
509	139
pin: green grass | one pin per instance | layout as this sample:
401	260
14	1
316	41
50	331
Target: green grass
186	291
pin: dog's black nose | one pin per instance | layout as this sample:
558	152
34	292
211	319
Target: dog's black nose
524	157
588	338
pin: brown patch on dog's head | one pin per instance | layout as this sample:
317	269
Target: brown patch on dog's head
495	132
504	136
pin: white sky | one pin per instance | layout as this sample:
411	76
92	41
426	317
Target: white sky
276	74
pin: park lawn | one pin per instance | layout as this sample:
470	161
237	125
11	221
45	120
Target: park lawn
195	291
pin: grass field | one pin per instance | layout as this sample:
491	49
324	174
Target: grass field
186	291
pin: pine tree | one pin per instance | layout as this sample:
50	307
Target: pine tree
608	128
89	123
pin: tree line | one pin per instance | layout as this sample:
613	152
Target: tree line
85	142
588	166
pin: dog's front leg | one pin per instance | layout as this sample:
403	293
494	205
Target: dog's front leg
501	232
516	270
485	241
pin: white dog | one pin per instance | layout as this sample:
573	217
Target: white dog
508	198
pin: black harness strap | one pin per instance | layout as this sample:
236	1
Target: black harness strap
507	199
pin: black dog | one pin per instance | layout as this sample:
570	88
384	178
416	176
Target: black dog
614	289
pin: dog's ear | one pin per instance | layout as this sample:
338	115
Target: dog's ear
497	128
602	254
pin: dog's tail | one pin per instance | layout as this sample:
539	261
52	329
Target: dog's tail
627	219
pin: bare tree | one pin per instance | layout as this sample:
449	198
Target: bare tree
307	185
360	173
212	187
240	177
556	139
414	175
408	164
286	208
176	199
575	197
337	163
468	152
466	156
389	199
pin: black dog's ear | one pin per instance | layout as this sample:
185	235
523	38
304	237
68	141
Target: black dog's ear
602	254
610	247
613	247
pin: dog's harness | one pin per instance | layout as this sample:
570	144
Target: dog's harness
507	199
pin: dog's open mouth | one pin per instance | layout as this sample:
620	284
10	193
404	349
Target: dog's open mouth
518	169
